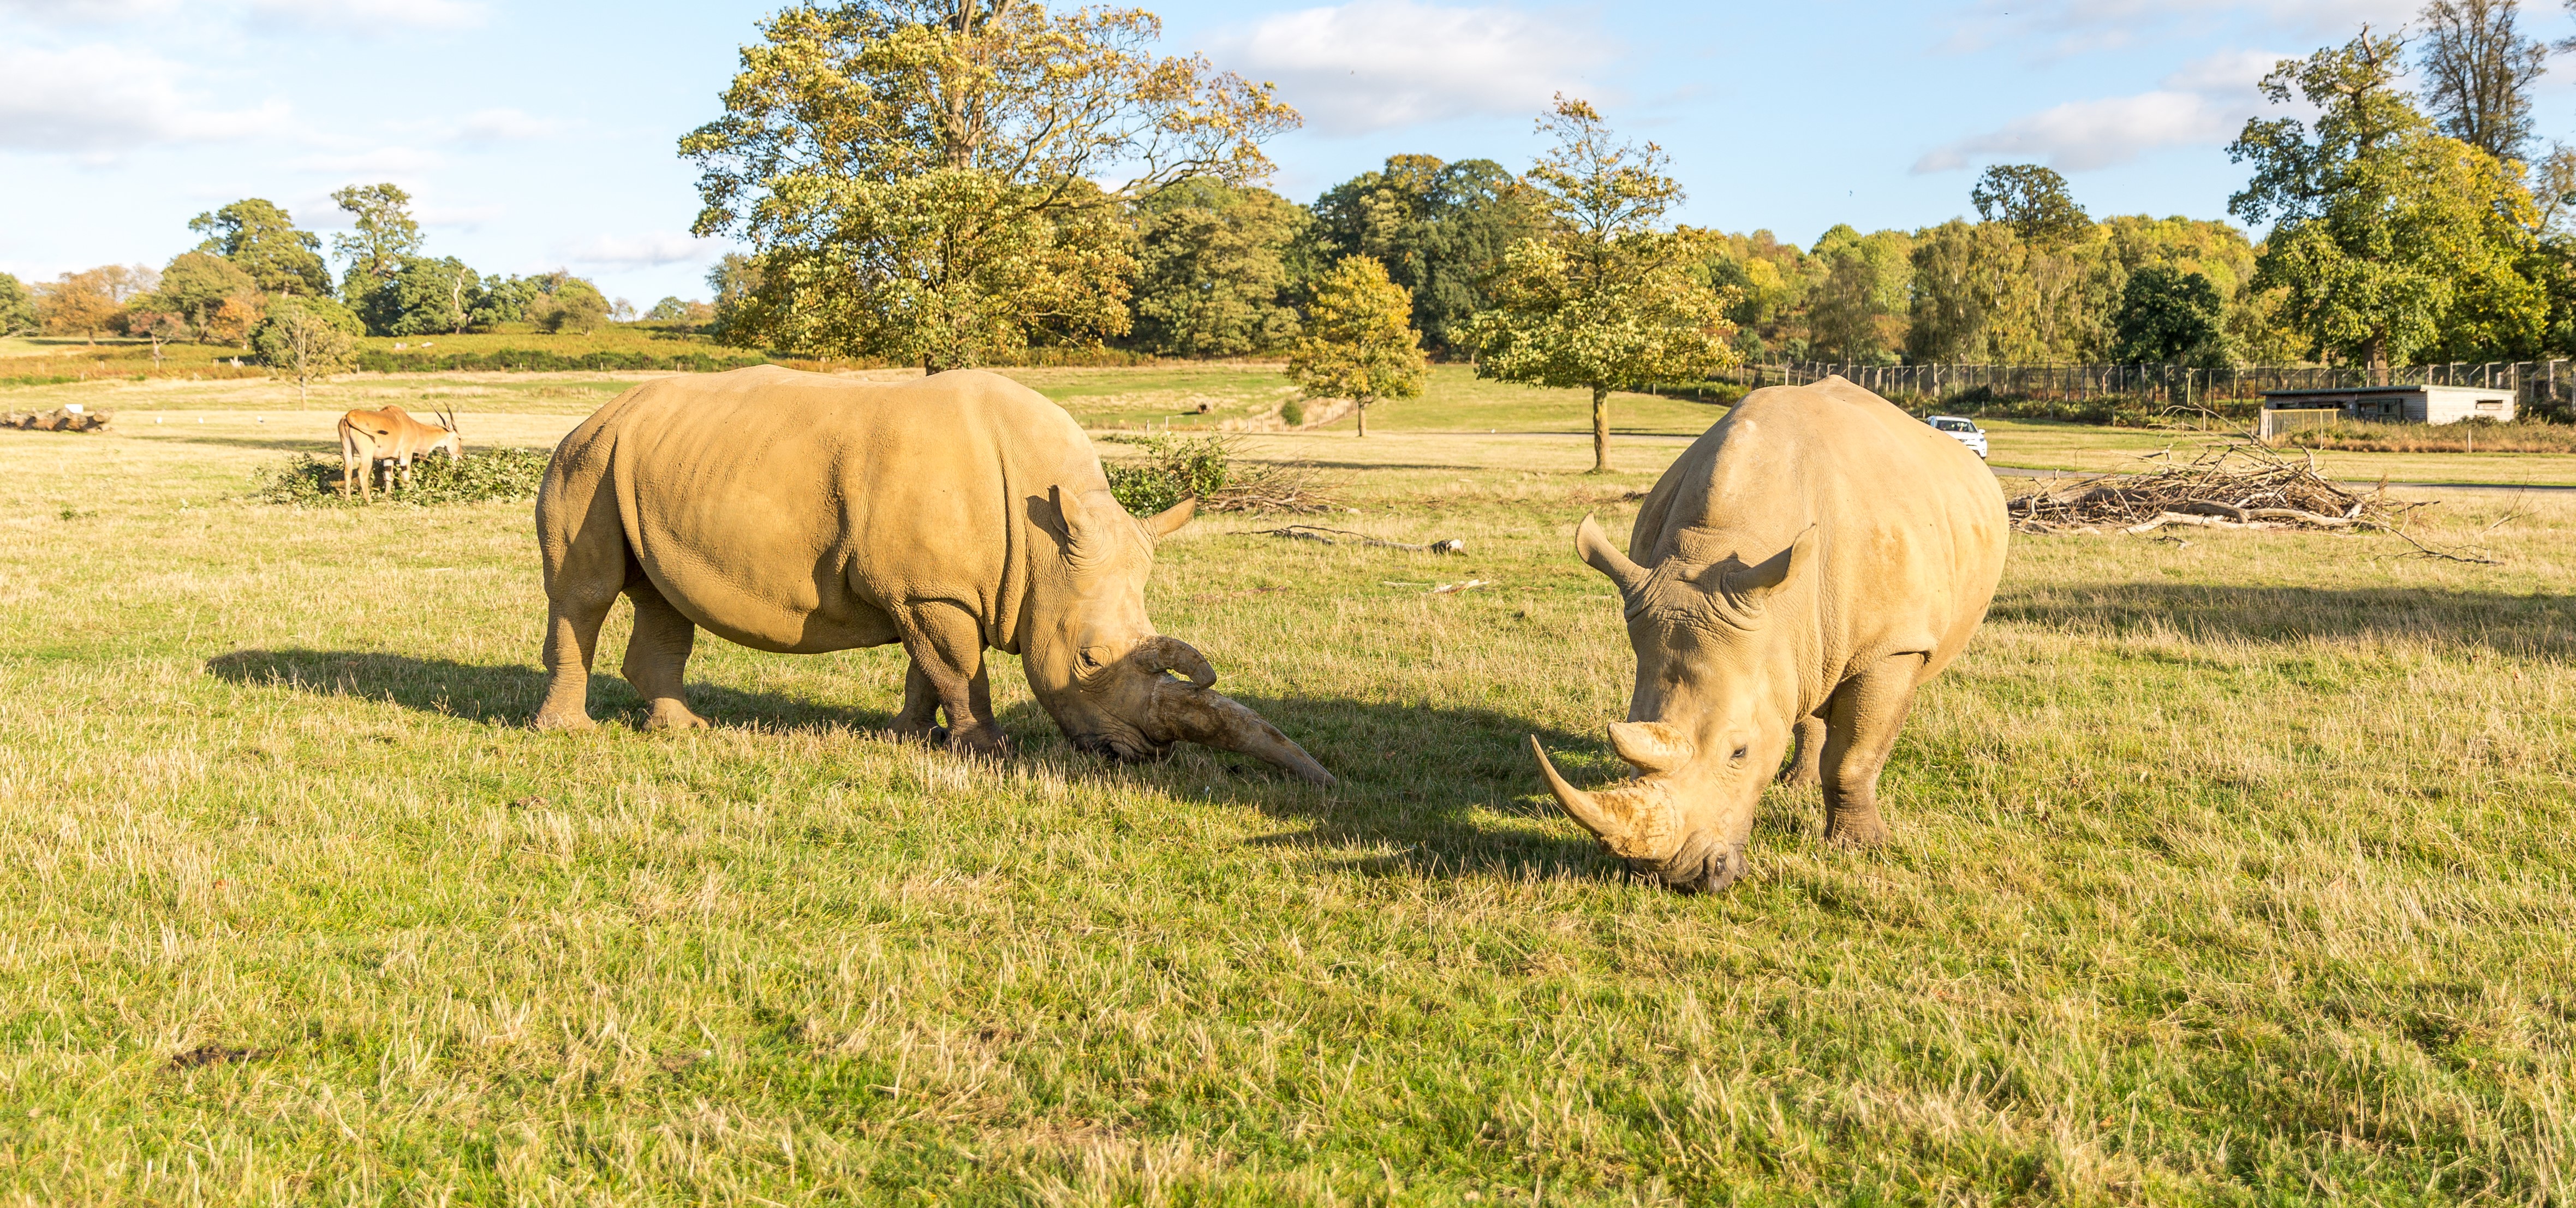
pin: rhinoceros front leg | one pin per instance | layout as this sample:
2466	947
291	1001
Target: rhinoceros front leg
1861	724
920	716
657	656
1802	770
947	649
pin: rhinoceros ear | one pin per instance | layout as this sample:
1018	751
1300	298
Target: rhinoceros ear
1163	523
1597	552
1086	539
1749	587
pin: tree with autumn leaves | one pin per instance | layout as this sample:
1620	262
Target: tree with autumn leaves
919	178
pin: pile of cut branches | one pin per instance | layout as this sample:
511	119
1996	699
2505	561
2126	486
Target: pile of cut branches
2242	484
2237	485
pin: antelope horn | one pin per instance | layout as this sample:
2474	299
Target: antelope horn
1162	652
1635	821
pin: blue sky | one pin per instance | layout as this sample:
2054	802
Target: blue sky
541	135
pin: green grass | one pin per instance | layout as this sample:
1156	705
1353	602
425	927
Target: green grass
2231	870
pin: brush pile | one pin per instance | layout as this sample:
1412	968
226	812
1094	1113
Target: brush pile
2238	485
60	419
1212	470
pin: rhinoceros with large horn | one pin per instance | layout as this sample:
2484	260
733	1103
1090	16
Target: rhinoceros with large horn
800	513
1803	567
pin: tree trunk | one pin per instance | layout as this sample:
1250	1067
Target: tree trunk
1363	403
1600	429
2379	360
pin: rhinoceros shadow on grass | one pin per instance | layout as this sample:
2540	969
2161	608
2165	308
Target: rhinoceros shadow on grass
507	694
1425	778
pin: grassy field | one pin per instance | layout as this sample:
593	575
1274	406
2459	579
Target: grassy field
2227	870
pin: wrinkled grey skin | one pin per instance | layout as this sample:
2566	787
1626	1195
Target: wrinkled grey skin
1793	577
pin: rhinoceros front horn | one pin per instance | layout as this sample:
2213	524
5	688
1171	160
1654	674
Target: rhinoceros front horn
1636	821
1191	713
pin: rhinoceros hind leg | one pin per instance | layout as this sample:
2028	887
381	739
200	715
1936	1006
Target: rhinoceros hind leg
920	716
1862	720
947	649
657	656
572	636
1810	738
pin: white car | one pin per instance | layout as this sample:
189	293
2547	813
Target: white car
1965	431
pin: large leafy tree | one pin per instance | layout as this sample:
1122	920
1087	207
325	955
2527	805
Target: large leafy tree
195	286
86	303
2034	201
1439	228
2388	238
920	178
424	297
1358	342
1212	269
262	240
1609	299
382	236
2167	316
17	306
1857	313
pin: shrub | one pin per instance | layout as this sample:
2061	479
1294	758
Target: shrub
502	474
1175	466
1293	413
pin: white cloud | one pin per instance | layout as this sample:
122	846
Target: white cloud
642	251
1376	64
2204	103
70	12
99	100
366	16
497	125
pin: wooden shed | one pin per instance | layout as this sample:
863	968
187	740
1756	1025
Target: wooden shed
2400	404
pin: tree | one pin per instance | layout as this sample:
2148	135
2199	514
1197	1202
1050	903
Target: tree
384	236
17	306
304	340
1857	313
1440	229
261	240
2169	316
158	326
567	303
1211	269
1359	342
1608	299
675	309
195	286
2478	70
917	177
735	278
2033	201
233	321
87	303
2384	233
503	300
423	297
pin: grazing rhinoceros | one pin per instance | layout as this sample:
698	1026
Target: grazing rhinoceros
799	513
1803	567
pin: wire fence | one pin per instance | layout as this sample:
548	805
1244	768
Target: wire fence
2543	387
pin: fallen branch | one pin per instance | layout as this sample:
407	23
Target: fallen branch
1334	536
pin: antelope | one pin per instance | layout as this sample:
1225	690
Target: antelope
391	437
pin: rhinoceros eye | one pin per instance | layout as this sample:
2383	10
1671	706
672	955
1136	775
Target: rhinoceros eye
1741	752
1091	657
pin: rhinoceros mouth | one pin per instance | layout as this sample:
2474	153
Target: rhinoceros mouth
1121	749
1703	865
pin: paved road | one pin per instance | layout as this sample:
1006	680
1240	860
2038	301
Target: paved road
2025	472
